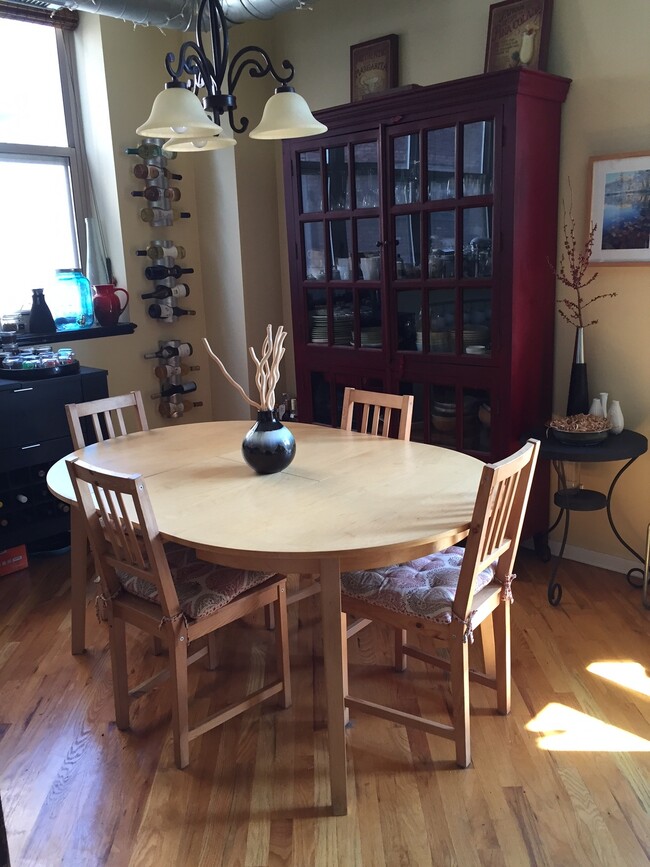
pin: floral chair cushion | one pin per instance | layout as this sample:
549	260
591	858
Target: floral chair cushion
202	587
422	588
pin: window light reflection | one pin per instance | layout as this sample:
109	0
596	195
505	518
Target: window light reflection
567	730
631	675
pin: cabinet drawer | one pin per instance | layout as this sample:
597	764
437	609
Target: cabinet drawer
34	412
34	453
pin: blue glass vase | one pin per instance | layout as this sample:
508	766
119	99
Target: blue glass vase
268	447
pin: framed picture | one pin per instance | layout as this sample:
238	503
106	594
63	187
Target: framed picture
373	67
620	208
518	34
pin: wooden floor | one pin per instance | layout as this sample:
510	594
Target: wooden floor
562	781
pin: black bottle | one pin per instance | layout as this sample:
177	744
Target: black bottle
160	272
41	320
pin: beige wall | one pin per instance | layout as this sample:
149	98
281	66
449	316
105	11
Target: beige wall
602	47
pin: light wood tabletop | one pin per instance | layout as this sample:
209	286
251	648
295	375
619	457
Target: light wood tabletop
347	501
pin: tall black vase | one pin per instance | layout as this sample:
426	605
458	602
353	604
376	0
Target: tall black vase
268	447
578	400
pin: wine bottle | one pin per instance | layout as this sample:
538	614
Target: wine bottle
166	311
165	371
161	215
145	172
157	251
181	290
169	351
176	410
152	194
22	498
150	151
181	388
161	272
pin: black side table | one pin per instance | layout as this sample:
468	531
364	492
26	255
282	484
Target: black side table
626	446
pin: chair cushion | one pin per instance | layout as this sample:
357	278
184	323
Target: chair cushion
202	588
421	588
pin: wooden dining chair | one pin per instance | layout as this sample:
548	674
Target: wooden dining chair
447	595
366	412
165	589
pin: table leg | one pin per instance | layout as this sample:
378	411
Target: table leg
554	591
78	577
610	518
333	636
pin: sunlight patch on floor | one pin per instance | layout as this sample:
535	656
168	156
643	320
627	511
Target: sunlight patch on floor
631	675
564	729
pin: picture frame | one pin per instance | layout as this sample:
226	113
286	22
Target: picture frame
373	66
619	207
518	34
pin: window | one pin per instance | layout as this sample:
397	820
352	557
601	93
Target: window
43	210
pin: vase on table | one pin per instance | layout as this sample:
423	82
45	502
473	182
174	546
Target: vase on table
615	417
578	400
268	447
108	303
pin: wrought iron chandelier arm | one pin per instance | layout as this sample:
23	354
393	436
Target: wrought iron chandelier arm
219	41
193	61
258	69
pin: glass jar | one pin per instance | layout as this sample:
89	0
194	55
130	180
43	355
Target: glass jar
71	300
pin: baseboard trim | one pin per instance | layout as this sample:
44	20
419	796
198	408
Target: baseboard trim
592	558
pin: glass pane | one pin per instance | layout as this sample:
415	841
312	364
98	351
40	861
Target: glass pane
477	317
478	157
441	163
442	245
343	313
442	320
444	421
418	427
49	242
477	242
314	247
476	419
340	249
366	173
368	244
409	320
320	399
43	123
407	241
310	182
338	173
317	313
406	163
370	318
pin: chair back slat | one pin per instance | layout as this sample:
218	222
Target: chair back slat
107	416
496	522
374	412
122	530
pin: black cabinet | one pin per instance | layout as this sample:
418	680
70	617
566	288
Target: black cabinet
33	435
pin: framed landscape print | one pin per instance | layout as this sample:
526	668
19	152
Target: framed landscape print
373	67
518	34
620	208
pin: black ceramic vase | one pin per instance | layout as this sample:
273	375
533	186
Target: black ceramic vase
268	447
578	400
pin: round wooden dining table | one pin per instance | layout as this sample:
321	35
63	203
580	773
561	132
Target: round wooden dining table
348	501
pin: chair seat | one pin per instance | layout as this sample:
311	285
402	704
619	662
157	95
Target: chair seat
202	587
424	588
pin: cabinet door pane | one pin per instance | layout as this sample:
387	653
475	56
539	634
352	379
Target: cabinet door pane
478	158
477	321
409	320
442	245
442	320
343	317
406	166
477	242
314	247
368	245
338	176
444	418
317	316
477	420
441	164
370	319
366	174
340	249
407	246
311	183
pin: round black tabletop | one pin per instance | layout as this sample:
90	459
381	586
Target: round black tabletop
617	447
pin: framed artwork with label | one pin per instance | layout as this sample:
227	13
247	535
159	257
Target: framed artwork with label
373	67
518	34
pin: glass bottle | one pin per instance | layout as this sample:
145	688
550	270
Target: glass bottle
157	251
166	311
181	290
145	172
41	320
161	272
163	215
171	351
181	388
166	371
150	151
152	194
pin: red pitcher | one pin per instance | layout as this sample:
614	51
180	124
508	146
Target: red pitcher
106	303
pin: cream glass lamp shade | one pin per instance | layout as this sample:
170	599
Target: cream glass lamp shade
177	111
182	144
287	115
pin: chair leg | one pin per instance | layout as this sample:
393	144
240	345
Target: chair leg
282	643
117	644
213	656
400	656
501	618
459	657
346	674
487	641
180	714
